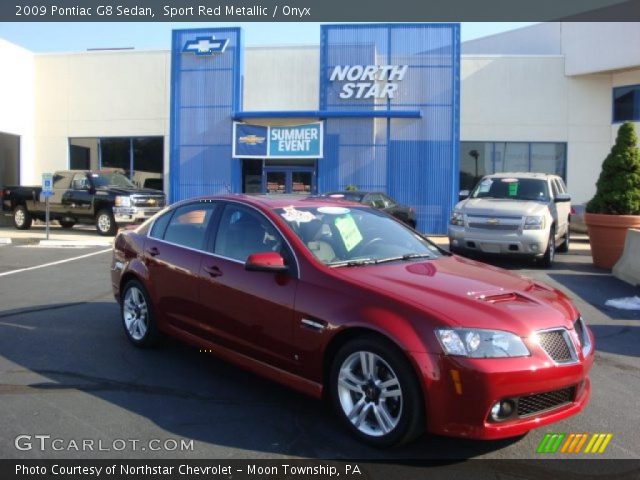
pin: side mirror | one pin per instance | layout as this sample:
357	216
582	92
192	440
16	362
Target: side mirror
462	194
562	197
265	262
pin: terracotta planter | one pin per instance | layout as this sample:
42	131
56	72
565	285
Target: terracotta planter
606	236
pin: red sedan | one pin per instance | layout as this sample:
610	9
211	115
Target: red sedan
343	301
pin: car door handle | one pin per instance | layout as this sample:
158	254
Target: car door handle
213	271
153	251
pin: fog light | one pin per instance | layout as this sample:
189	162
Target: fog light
534	247
502	410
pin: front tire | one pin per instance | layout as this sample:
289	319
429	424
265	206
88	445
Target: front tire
105	223
550	253
22	219
375	392
137	315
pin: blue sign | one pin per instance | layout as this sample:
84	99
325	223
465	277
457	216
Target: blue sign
301	141
250	141
47	183
256	141
205	45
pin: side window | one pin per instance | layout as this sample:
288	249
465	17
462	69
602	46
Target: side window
243	231
554	187
80	182
376	200
188	225
563	187
160	225
61	181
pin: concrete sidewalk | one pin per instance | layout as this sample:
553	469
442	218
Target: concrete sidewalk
79	236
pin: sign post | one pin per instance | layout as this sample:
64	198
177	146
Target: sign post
47	191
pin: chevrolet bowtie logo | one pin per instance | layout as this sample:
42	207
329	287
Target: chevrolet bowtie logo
493	221
205	45
252	139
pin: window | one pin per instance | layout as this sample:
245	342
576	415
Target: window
188	225
62	180
9	159
478	159
80	182
243	232
141	159
160	225
626	103
388	202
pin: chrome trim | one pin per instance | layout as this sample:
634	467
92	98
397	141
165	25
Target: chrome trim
172	207
313	324
568	340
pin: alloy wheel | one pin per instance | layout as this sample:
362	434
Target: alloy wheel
136	313
104	222
370	393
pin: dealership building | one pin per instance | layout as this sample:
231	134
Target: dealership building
404	109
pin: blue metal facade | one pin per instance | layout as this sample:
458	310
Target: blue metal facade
415	160
406	145
206	91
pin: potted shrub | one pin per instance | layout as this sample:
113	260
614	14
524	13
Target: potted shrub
616	205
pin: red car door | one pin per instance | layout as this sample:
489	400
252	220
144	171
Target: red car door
173	254
251	311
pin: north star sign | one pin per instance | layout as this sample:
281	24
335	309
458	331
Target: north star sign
368	81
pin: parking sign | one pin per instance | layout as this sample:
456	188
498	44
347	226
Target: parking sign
47	184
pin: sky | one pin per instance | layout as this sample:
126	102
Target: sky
72	37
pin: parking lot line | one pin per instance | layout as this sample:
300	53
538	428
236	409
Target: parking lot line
50	264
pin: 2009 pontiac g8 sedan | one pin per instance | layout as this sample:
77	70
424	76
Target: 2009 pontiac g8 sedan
343	301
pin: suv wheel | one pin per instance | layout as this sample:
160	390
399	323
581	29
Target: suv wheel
22	218
105	223
66	224
374	390
550	253
566	241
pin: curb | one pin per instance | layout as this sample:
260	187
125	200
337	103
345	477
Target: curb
76	243
5	241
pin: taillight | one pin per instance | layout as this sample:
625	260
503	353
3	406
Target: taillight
573	211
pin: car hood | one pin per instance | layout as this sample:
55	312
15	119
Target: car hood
129	191
458	292
496	207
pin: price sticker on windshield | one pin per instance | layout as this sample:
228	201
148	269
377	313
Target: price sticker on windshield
349	232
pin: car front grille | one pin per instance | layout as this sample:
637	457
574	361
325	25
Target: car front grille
556	344
148	201
540	402
498	226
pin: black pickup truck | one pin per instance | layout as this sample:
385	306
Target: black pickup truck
104	198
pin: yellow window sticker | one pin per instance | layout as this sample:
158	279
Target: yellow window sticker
349	232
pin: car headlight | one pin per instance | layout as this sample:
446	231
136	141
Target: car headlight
478	343
122	201
457	219
534	223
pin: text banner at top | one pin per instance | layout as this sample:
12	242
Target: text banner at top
317	11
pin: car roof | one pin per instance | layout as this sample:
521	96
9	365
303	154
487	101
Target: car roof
542	176
280	200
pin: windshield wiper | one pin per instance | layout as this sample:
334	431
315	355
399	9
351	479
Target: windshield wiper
405	257
354	263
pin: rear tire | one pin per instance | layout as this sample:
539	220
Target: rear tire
374	390
22	219
105	223
66	224
137	315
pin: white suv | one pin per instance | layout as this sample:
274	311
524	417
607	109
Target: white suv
525	214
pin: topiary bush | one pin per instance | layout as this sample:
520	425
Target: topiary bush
618	187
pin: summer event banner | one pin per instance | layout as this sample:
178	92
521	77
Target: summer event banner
259	141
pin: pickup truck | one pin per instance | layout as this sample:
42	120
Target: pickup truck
514	214
104	198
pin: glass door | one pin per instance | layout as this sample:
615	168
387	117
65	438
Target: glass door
295	180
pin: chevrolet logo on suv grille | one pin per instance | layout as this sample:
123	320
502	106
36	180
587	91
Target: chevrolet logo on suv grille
493	221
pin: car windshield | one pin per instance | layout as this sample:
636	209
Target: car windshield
339	236
512	189
111	179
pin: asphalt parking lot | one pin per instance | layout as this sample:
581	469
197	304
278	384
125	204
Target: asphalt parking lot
67	370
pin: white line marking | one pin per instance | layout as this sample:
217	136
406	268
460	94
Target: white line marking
4	274
26	327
